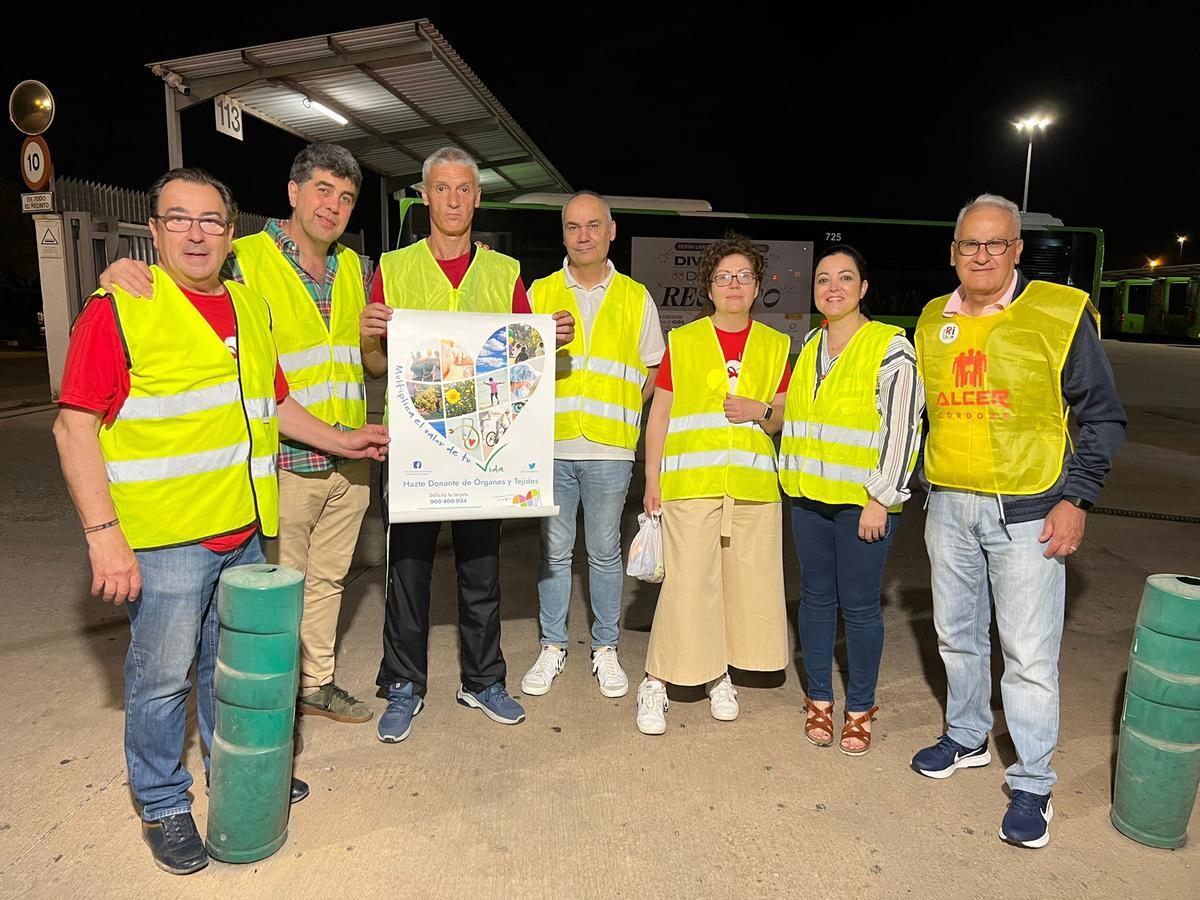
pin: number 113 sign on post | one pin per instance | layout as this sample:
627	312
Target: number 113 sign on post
471	415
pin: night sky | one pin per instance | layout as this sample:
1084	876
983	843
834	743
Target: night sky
847	112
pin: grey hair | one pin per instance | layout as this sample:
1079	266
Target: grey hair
193	175
333	158
452	156
993	200
575	196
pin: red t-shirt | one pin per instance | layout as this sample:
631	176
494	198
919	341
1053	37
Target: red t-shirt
456	270
96	376
733	344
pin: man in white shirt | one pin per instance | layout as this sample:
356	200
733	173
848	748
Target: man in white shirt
603	378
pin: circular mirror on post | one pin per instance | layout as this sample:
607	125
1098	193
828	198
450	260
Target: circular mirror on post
31	107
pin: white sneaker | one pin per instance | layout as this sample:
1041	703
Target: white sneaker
722	700
608	671
549	663
652	707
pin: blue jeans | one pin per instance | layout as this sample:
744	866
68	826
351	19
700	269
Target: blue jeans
601	485
840	570
968	550
172	625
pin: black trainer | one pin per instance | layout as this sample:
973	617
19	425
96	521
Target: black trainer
175	844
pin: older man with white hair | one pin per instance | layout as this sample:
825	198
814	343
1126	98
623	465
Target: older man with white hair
1004	360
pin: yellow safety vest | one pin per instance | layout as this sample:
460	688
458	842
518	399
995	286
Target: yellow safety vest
830	443
412	279
191	454
705	455
323	364
599	375
993	389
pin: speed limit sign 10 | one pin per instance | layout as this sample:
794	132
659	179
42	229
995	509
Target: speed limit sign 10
35	162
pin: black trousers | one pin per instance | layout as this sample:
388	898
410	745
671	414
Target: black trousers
411	548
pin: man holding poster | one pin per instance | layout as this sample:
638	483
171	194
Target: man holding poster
446	272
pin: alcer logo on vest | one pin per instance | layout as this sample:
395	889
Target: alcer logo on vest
970	383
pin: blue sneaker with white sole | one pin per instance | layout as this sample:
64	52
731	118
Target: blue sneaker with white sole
495	703
1027	822
947	756
403	703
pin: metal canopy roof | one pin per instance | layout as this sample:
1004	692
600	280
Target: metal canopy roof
402	89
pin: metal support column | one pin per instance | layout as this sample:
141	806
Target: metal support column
174	133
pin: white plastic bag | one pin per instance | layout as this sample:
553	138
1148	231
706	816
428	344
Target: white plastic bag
646	551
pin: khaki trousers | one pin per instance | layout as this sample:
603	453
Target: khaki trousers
722	600
319	517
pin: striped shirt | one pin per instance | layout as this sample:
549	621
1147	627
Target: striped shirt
900	399
294	456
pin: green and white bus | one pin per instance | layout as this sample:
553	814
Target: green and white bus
909	260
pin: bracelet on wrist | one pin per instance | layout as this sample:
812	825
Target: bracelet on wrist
93	528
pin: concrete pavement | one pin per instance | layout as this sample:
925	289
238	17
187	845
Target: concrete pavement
575	802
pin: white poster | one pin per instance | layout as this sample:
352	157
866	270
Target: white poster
471	416
668	269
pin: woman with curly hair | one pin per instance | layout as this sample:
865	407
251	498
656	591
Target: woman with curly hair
710	471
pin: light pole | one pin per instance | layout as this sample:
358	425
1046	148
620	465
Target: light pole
1181	239
1032	125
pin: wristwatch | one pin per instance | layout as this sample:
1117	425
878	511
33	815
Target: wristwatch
1085	505
767	415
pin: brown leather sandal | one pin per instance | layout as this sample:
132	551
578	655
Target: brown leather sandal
818	720
853	730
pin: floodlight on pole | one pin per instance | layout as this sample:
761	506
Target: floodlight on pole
1031	124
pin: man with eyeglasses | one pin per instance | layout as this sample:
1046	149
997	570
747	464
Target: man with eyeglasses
1003	360
603	378
168	430
316	289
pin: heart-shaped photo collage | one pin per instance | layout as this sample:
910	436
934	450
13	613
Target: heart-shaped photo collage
474	400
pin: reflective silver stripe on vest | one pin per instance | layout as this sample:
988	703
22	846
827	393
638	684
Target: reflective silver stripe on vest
260	407
313	394
347	353
177	466
262	466
613	411
320	393
615	369
679	462
834	434
830	471
697	422
303	359
567	404
171	405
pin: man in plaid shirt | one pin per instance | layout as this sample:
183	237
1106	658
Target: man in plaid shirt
316	289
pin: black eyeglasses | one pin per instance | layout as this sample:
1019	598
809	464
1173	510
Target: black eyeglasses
180	224
995	247
725	278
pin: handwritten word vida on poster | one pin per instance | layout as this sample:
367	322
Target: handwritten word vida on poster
471	416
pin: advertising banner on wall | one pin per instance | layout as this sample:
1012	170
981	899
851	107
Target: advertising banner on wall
667	267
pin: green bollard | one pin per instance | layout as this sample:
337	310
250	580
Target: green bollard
257	675
1158	763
